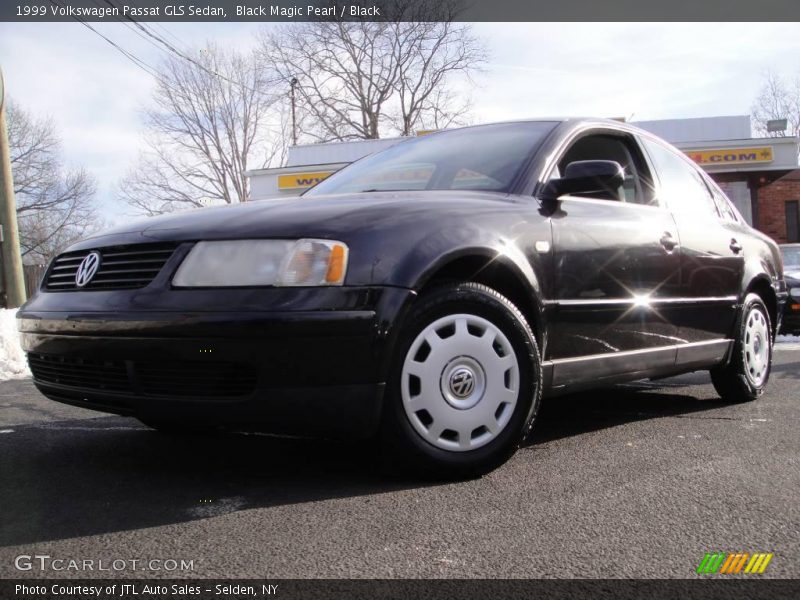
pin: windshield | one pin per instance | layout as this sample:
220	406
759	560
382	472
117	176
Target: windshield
791	257
487	157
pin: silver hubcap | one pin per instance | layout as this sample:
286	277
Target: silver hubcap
460	382
756	347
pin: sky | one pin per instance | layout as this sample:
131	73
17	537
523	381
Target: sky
640	71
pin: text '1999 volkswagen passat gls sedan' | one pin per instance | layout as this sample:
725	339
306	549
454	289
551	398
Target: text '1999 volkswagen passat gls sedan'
429	294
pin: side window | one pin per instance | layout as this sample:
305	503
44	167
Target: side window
724	204
682	184
637	187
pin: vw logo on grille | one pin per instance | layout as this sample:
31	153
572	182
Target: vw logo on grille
87	269
462	382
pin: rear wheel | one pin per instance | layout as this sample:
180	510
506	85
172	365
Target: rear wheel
746	375
465	383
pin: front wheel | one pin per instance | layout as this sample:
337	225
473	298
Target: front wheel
465	383
745	376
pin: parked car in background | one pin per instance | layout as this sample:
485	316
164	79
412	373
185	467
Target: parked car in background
429	294
791	268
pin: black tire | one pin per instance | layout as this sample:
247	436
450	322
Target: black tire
738	381
401	441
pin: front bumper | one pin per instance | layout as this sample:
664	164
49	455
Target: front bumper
300	368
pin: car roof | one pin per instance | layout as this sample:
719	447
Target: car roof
573	121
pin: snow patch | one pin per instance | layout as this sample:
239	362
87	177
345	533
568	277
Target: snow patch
787	342
12	359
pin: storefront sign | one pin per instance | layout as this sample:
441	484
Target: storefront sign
299	181
727	156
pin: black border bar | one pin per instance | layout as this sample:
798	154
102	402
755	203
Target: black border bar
716	588
32	11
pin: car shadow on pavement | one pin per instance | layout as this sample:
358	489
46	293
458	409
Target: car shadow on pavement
789	370
581	413
81	477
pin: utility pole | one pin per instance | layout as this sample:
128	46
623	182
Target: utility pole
293	84
11	267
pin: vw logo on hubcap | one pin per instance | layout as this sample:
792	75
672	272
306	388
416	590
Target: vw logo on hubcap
462	382
87	269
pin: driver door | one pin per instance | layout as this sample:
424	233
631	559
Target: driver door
617	265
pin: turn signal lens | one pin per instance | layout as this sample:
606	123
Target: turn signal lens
336	264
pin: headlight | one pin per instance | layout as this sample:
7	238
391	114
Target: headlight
263	262
795	293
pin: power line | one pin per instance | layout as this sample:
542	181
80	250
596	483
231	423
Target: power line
185	57
133	58
128	26
165	30
152	71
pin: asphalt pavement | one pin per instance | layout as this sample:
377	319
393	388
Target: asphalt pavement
639	480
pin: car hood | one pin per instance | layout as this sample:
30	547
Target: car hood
307	216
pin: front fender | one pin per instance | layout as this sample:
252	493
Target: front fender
522	268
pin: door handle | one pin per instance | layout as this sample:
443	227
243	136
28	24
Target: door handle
735	246
668	241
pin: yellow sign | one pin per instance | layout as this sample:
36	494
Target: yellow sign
300	181
421	132
730	156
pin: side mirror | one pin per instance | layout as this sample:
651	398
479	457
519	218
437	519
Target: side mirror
602	177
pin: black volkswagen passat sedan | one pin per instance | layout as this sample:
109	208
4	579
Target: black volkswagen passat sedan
791	267
430	294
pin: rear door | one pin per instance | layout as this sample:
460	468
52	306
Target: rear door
712	255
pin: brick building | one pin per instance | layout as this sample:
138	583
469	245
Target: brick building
760	175
779	207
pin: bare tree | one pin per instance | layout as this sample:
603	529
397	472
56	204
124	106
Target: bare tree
362	80
55	205
430	56
778	99
345	75
209	123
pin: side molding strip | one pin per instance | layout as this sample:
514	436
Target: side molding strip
643	363
589	302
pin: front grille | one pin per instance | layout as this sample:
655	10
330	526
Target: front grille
121	267
185	379
95	375
196	379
